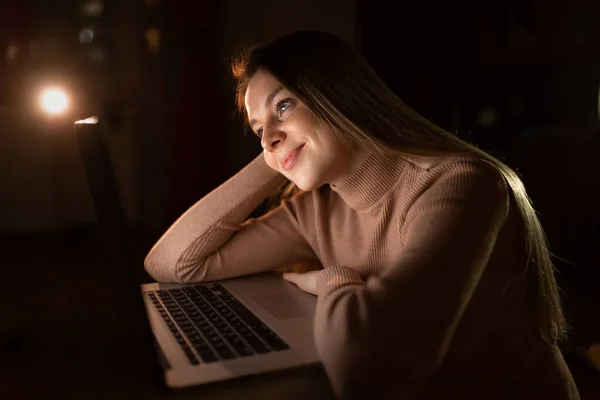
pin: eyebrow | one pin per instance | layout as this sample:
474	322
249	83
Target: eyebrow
269	100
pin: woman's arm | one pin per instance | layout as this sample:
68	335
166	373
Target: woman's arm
211	240
391	333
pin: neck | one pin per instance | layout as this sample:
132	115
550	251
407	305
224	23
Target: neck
358	159
373	175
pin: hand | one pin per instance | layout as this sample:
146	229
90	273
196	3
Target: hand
306	281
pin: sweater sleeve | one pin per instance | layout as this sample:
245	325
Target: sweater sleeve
384	338
215	240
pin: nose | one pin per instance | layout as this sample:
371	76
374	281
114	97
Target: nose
272	137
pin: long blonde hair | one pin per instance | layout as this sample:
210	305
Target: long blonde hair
339	86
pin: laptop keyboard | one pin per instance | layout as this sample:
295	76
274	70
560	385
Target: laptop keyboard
211	325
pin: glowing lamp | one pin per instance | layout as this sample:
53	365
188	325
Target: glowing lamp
54	101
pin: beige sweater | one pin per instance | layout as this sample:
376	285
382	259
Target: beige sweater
413	299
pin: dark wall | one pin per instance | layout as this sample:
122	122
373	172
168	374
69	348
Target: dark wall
424	51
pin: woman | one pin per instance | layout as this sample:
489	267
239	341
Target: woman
436	279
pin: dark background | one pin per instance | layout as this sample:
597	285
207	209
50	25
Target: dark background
519	78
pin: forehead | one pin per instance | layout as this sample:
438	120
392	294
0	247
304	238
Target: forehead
259	87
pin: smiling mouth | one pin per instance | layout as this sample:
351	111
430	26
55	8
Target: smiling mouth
290	158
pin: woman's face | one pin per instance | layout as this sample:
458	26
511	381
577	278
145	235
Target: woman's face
295	141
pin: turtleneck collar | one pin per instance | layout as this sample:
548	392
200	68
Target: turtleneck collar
370	181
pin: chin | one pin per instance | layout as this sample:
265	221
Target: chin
306	185
302	186
307	178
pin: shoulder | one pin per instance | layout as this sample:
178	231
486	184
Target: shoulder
469	172
458	191
450	162
468	183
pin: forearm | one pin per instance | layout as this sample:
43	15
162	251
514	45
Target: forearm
207	225
365	335
350	335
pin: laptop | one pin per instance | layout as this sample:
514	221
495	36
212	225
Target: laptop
210	331
222	330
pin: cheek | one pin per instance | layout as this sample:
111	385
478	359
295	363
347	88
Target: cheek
271	160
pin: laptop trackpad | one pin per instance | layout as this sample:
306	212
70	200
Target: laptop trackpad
281	305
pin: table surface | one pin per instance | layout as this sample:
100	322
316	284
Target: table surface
64	333
57	380
56	361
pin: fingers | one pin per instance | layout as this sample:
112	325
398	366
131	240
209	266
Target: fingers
305	281
291	277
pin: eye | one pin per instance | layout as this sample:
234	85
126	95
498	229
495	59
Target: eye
282	105
259	133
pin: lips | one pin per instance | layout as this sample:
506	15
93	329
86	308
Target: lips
290	158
